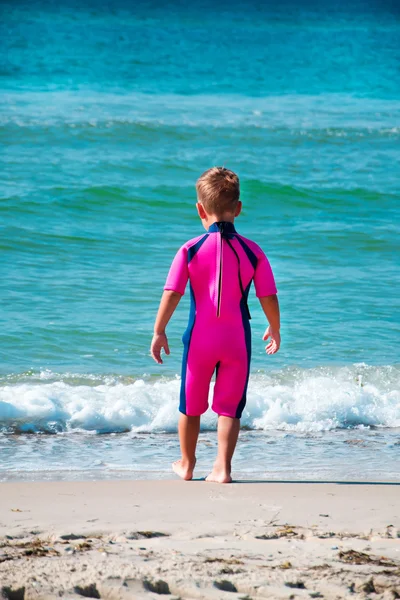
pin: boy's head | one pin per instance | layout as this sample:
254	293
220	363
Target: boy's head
218	194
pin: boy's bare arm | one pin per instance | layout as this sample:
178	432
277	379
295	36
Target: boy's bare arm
270	306
169	302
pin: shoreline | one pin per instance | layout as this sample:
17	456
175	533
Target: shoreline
154	476
133	539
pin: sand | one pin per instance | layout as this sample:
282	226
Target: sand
143	539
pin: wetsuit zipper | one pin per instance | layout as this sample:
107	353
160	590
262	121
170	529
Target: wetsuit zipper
220	275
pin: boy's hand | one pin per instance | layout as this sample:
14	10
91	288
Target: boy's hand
159	341
275	340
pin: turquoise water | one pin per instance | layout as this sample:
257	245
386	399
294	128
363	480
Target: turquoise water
108	115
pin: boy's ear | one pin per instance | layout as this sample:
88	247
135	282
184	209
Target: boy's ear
201	211
238	209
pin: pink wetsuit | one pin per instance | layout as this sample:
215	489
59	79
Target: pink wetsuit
220	266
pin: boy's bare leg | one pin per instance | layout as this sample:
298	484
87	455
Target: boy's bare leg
228	432
188	428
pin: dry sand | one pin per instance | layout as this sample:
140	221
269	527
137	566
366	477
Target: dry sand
143	539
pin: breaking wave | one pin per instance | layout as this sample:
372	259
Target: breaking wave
302	400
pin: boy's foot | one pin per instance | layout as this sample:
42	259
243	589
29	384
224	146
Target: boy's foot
184	470
219	476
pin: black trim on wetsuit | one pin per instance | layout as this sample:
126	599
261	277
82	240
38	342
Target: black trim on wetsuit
225	235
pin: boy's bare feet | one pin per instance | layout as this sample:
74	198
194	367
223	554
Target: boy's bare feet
184	469
228	431
219	476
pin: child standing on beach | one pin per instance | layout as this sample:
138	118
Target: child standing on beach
220	266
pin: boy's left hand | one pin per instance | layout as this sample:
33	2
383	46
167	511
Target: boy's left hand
158	342
275	340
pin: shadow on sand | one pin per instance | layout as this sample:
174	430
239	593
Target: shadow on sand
272	481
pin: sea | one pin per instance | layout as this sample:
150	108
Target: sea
109	112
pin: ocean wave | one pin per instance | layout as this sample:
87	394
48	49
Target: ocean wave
301	400
328	115
182	129
117	197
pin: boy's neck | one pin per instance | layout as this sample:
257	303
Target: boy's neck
211	219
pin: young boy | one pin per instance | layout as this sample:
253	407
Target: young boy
220	266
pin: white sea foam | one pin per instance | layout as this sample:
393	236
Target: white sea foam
319	399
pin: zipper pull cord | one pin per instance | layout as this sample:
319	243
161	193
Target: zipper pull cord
221	227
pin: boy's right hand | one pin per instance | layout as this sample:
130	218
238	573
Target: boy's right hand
158	342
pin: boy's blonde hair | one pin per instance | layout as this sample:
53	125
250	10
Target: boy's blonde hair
218	191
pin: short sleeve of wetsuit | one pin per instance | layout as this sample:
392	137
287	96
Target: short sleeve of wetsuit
264	281
178	274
